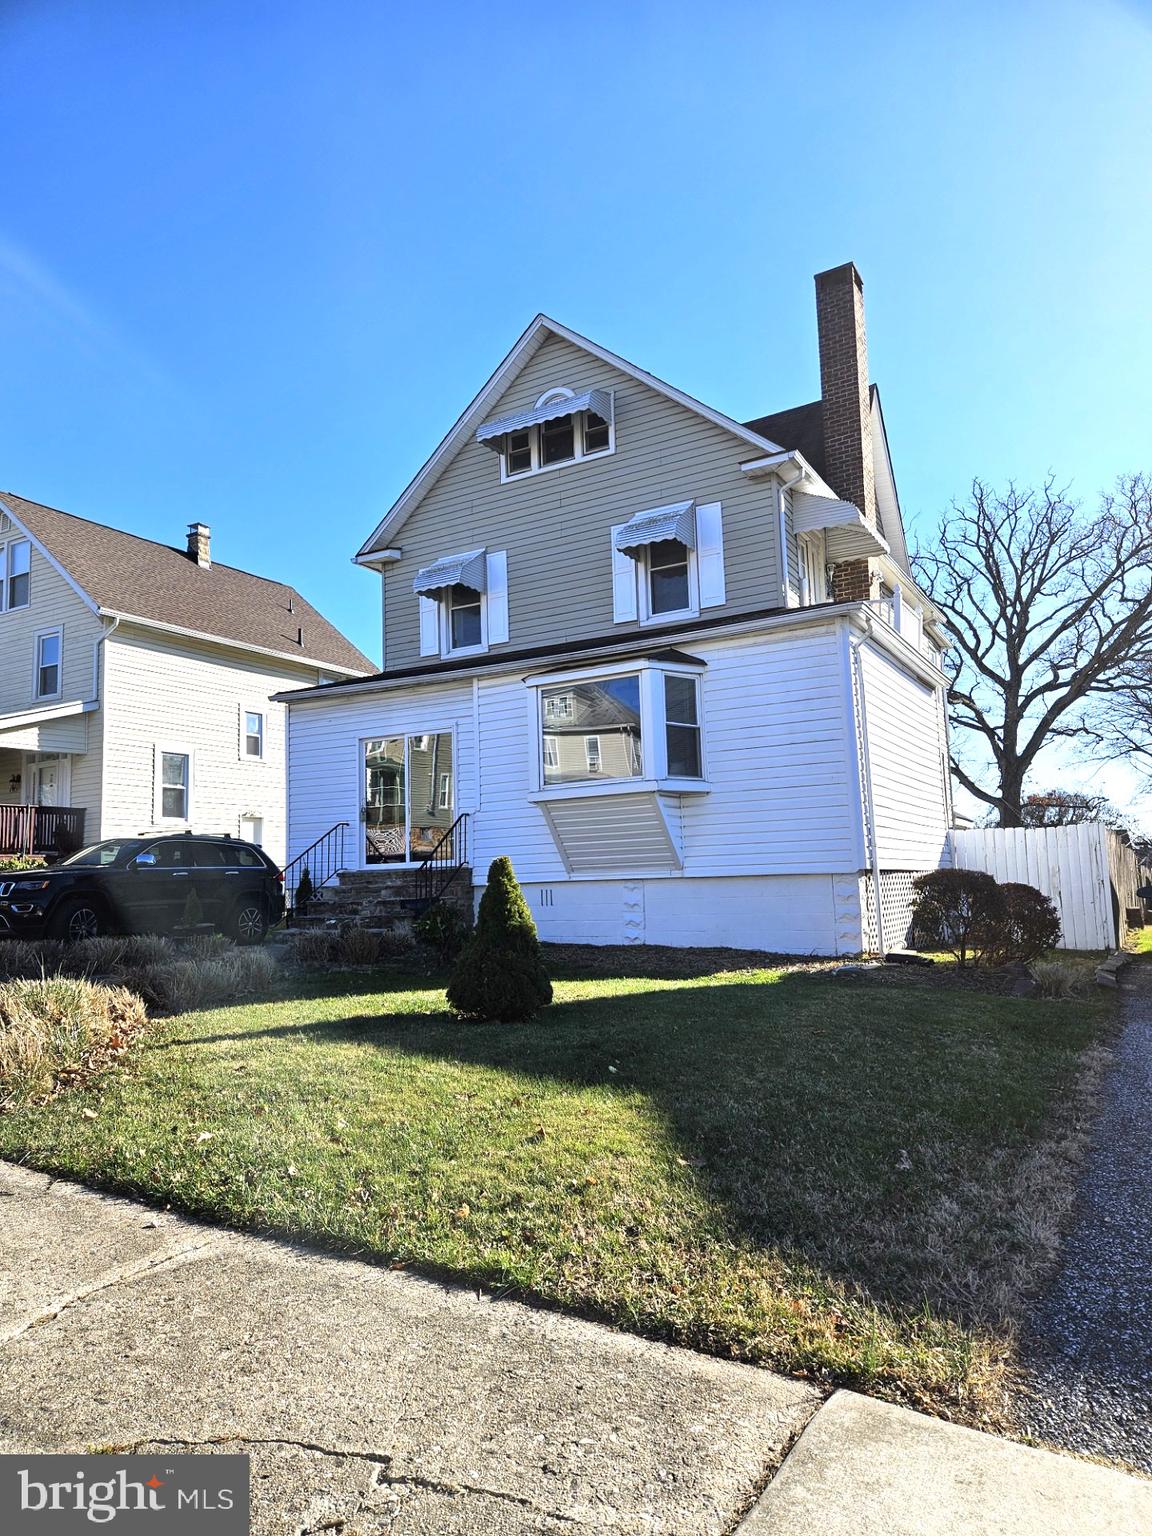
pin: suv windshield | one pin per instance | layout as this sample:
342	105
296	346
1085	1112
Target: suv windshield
115	851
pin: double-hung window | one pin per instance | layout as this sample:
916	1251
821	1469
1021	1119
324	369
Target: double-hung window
465	618
15	574
668	578
253	733
681	726
49	659
174	779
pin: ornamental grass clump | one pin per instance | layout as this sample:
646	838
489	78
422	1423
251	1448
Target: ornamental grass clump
500	975
58	1031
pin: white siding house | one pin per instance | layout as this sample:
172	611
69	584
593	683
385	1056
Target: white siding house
130	669
682	679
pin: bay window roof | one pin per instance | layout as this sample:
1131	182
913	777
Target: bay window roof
467	570
676	521
598	401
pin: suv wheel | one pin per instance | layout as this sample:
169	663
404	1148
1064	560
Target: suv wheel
250	921
78	919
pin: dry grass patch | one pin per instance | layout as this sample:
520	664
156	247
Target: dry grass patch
57	1032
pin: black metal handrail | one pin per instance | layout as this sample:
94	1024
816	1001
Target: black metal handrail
324	859
442	865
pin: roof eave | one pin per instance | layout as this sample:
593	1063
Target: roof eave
240	645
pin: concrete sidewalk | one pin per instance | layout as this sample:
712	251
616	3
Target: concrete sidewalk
376	1402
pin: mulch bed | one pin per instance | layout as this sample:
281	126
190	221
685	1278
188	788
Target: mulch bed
664	963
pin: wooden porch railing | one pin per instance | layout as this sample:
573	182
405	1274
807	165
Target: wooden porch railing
26	829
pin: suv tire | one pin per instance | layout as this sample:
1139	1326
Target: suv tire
79	918
249	924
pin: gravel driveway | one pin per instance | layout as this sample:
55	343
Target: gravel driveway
1089	1358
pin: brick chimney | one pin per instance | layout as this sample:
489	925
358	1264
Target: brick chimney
847	409
200	544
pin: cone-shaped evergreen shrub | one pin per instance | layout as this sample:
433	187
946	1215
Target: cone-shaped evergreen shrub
500	974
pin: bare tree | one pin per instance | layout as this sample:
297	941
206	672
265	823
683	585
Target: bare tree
1065	808
1050	613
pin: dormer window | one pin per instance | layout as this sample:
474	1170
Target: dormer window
561	428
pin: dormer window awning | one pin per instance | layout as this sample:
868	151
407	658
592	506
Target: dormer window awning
847	532
677	521
598	401
468	570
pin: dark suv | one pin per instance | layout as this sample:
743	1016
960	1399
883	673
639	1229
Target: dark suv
145	885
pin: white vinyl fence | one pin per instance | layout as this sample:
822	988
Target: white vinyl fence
1089	871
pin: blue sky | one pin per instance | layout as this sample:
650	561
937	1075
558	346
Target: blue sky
255	258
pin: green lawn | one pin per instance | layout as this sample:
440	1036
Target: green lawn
848	1184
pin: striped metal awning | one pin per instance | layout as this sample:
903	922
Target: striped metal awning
848	534
597	400
467	570
677	521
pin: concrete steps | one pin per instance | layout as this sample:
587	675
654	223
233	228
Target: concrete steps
381	901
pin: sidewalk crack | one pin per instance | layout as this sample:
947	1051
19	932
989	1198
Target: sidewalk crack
121	1276
383	1476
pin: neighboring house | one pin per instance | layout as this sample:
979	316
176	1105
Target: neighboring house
136	685
673	664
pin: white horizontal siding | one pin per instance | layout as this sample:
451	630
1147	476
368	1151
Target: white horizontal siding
907	763
53	604
326	763
163	692
609	830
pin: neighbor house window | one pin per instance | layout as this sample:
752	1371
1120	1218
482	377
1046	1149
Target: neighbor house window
253	734
174	786
445	802
48	651
612	750
15	574
465	619
682	726
669	587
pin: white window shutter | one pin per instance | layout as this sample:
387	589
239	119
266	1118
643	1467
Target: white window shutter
497	564
623	583
429	627
710	554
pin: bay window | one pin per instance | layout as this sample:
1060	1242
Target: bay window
642	725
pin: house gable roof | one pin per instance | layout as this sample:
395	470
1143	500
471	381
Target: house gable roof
123	574
461	433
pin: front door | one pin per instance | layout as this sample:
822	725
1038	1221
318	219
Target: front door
409	796
45	783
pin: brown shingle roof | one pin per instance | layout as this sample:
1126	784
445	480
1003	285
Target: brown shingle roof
801	427
127	574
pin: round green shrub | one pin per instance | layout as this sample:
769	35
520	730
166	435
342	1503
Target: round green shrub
500	974
1030	924
957	910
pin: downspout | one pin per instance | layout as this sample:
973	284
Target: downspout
105	634
866	774
782	528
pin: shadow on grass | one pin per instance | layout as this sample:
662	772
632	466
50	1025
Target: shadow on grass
871	1136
